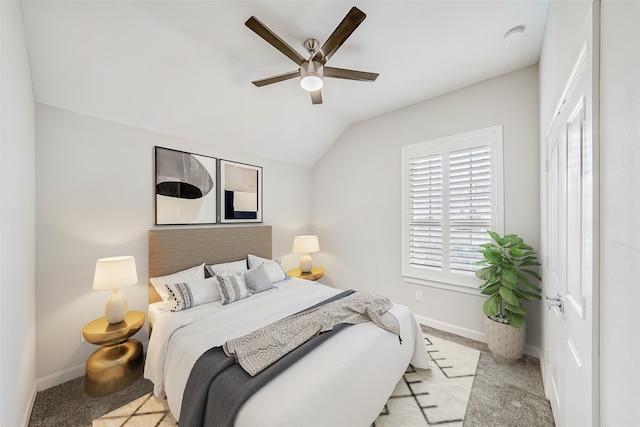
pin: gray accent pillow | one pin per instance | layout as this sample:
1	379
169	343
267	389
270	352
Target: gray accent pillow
257	280
273	268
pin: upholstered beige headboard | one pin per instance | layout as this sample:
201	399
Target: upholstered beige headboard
176	249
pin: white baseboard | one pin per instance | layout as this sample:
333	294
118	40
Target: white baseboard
447	327
532	351
29	408
60	377
471	334
71	373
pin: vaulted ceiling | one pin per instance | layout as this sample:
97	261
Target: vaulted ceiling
185	67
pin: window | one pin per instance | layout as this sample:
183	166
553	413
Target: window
451	194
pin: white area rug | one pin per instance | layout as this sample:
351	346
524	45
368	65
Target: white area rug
146	411
436	396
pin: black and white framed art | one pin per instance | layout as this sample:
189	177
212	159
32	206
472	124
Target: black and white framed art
185	188
240	192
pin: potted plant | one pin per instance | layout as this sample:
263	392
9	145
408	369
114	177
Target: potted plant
509	267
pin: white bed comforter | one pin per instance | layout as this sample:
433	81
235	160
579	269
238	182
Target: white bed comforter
344	382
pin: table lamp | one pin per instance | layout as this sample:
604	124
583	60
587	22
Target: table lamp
305	245
115	273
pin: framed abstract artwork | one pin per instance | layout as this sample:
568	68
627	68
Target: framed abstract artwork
185	188
240	192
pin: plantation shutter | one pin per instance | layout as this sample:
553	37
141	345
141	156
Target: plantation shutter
469	206
452	194
425	212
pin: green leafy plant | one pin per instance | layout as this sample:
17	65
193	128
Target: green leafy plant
509	262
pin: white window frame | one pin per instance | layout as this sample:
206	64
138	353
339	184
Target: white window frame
491	137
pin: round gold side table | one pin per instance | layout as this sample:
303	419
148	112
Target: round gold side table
314	274
120	360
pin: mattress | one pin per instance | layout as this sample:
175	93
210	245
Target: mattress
344	382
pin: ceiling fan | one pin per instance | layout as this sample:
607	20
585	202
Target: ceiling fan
312	70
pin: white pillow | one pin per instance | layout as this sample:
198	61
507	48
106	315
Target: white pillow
232	288
239	266
274	269
189	294
255	260
193	273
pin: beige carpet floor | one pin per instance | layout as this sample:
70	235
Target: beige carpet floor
501	395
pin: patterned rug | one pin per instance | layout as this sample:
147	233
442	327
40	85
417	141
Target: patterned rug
436	396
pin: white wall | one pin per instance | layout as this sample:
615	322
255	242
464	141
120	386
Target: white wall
95	196
619	207
356	190
17	219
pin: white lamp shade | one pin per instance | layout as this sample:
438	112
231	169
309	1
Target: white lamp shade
115	272
305	244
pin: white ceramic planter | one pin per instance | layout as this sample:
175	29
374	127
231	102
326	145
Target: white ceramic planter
505	342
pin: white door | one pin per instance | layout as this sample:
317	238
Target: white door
571	263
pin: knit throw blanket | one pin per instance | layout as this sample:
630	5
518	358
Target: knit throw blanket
260	349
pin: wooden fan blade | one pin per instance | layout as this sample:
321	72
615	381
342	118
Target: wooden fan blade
340	34
316	97
272	38
276	79
341	73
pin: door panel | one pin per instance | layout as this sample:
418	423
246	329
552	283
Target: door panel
571	258
575	143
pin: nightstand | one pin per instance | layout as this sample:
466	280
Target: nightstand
314	274
120	361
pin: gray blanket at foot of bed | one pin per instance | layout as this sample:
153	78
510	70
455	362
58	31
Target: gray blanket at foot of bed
218	387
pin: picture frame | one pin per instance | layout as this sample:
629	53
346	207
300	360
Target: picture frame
240	192
185	188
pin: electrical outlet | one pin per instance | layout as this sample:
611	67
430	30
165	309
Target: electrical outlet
82	337
418	295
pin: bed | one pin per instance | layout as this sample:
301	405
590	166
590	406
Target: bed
345	381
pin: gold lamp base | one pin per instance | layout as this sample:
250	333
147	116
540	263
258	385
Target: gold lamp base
112	368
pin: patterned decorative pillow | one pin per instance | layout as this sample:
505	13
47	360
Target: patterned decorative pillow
257	280
239	267
182	296
232	288
274	269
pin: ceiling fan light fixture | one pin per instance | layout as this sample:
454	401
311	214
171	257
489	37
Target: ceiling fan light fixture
311	76
310	69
